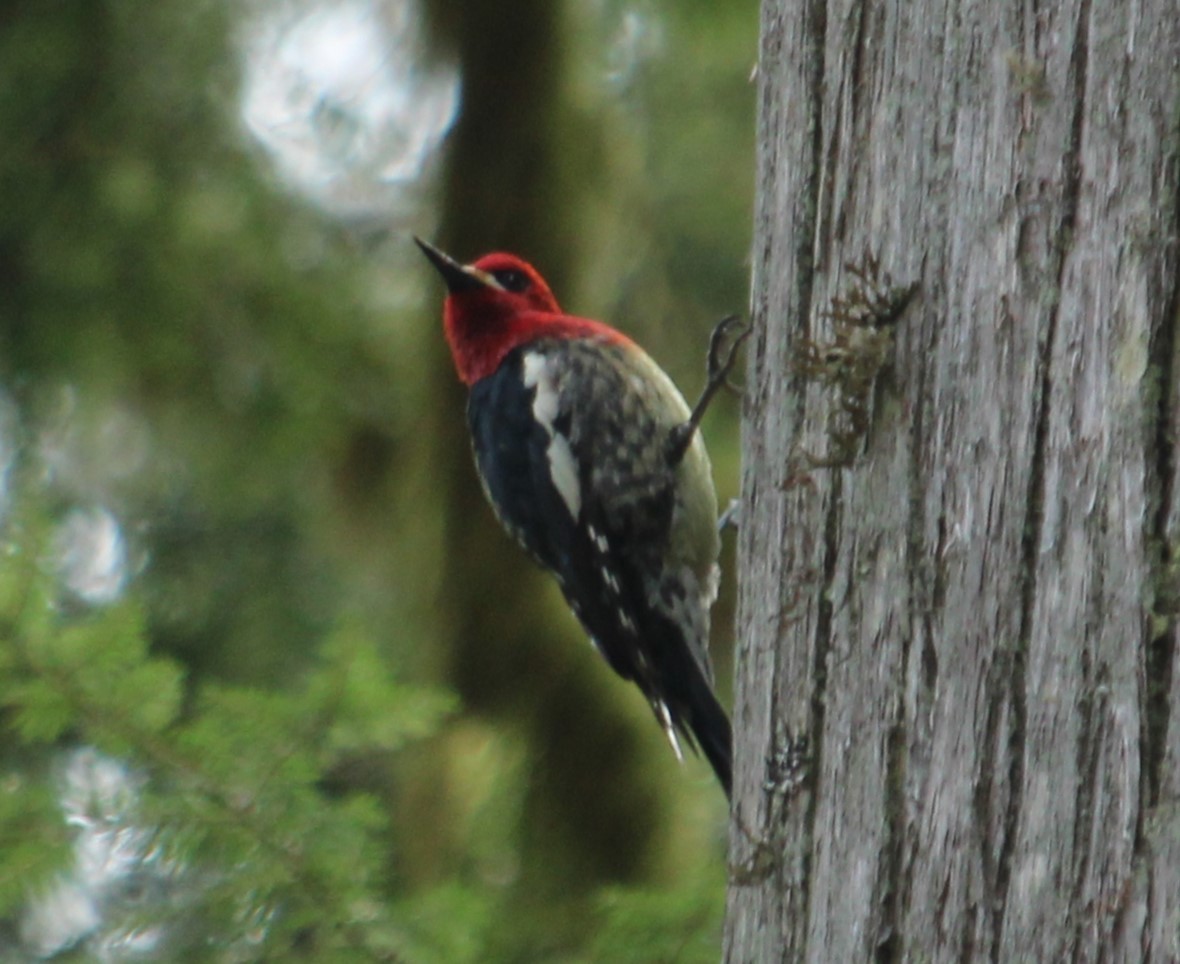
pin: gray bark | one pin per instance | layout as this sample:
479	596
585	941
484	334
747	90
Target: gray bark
955	682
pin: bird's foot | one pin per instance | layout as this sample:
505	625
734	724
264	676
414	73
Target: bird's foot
723	351
731	518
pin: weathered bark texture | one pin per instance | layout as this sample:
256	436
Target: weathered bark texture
957	704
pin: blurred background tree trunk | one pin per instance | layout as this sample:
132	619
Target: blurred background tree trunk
955	674
508	188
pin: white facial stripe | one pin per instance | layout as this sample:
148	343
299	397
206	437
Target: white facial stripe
563	469
483	277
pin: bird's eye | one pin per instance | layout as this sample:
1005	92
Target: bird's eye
512	280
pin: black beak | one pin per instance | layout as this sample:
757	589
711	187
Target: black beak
457	277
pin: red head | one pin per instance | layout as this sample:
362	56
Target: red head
496	304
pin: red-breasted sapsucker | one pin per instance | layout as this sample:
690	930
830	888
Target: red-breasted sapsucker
592	461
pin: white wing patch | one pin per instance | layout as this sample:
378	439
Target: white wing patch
537	375
563	470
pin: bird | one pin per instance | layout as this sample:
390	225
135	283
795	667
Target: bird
594	463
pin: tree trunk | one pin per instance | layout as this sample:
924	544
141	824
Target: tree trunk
955	682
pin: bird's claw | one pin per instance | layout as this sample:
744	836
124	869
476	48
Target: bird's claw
719	367
721	359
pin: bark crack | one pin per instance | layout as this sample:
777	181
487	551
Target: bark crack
819	671
816	25
1015	661
1164	555
890	938
923	582
1091	712
853	82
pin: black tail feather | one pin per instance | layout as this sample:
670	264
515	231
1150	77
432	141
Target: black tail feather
713	734
685	690
699	715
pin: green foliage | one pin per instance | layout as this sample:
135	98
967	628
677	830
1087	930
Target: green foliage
430	931
33	841
237	775
353	685
644	926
